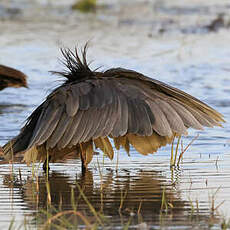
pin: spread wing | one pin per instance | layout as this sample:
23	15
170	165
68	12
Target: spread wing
120	104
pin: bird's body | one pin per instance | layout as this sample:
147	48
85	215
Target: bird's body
91	108
10	77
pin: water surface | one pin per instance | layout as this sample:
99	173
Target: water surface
197	62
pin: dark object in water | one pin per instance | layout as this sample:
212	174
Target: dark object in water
217	23
91	106
10	77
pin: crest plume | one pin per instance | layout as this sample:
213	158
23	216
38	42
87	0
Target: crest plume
77	66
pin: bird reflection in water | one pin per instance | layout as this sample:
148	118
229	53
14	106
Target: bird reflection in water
118	196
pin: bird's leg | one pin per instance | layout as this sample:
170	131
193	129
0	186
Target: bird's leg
83	167
45	164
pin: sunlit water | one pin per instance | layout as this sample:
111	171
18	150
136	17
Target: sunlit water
197	63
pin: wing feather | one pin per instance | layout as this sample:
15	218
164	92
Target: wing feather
91	121
72	103
91	125
121	127
113	114
188	119
82	125
143	118
172	116
66	137
69	133
59	131
101	124
48	114
201	117
87	152
133	121
52	126
161	124
122	141
110	109
105	146
101	94
148	144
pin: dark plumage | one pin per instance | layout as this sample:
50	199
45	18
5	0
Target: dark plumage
10	77
91	107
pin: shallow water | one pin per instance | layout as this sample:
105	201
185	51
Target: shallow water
195	62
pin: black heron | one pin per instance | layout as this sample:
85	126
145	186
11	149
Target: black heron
91	108
10	77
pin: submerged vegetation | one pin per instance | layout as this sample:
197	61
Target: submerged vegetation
174	160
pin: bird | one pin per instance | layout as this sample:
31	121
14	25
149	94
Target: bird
10	77
94	109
